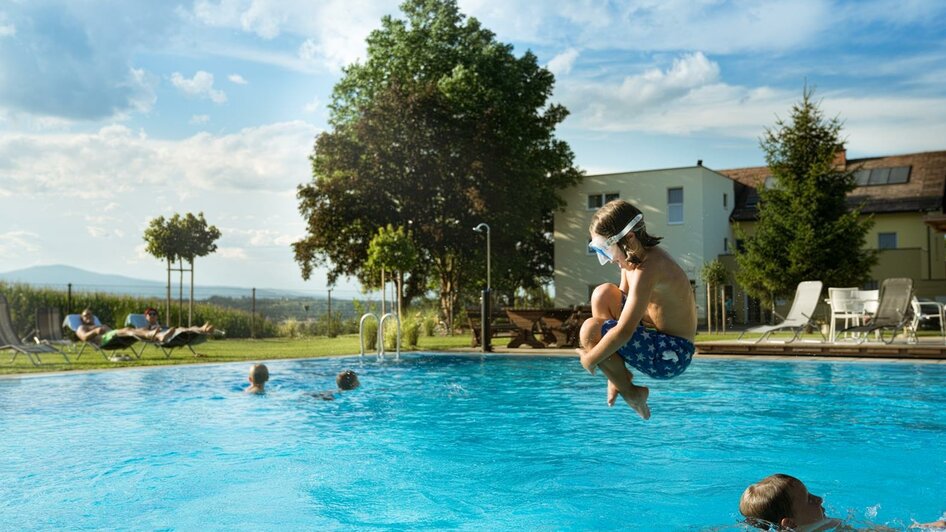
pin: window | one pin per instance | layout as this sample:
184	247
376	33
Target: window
675	205
886	240
725	245
882	176
596	201
725	200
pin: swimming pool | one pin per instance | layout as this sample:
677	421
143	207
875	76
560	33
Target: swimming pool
464	442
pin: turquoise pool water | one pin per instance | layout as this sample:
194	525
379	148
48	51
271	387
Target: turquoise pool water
464	442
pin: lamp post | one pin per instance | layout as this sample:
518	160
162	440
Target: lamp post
485	310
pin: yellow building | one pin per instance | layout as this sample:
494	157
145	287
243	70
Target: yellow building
905	196
695	209
690	207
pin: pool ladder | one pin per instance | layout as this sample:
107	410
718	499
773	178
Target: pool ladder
361	334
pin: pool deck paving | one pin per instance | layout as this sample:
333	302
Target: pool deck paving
929	350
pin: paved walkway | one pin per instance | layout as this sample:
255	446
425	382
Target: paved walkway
929	350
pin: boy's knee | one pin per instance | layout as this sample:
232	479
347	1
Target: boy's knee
606	292
605	299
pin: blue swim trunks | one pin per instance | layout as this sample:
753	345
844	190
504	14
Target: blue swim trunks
658	355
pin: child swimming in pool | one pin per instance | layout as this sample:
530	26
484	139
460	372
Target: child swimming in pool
345	380
649	321
259	375
782	502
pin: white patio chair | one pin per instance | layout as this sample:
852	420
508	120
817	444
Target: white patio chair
845	305
926	310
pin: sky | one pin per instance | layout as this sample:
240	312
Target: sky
114	112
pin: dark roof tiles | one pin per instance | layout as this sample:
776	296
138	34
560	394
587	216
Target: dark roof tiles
923	191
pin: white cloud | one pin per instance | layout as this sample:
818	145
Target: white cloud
261	237
690	97
332	32
115	159
18	244
7	28
202	84
237	79
312	106
200	119
232	253
563	62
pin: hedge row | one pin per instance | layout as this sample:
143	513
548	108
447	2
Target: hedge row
111	309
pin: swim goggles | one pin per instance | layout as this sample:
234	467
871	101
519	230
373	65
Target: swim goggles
602	246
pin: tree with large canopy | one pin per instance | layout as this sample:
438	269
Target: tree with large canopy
805	229
439	129
180	238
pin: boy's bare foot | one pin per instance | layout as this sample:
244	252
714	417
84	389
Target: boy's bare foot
207	328
636	398
612	393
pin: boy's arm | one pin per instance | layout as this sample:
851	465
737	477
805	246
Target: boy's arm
640	285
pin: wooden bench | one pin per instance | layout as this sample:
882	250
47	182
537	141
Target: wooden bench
499	326
560	327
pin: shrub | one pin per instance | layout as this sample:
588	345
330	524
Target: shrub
412	333
430	325
371	335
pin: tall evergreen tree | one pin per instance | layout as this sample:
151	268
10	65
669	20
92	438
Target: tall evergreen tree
805	229
441	128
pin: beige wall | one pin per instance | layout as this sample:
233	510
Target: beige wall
698	238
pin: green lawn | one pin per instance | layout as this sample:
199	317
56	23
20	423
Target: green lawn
222	351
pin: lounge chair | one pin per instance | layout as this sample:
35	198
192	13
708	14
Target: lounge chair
894	312
10	340
181	337
111	341
924	311
49	328
799	316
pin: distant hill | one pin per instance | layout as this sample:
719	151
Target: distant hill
60	276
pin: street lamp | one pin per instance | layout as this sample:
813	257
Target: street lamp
485	311
479	229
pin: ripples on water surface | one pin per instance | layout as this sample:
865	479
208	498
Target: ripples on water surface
465	442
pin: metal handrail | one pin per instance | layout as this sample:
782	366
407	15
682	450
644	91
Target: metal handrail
397	355
361	333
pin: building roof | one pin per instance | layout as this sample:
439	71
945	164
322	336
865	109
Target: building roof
922	191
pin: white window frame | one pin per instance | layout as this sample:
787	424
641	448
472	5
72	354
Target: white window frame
675	208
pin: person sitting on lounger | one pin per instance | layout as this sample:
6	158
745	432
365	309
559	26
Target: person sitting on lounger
782	502
89	332
158	333
259	375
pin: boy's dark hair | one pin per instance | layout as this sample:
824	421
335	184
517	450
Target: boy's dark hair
768	501
614	216
346	380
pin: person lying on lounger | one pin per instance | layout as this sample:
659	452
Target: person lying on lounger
782	502
88	331
651	323
156	332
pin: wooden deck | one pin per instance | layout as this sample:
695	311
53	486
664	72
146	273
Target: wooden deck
927	348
